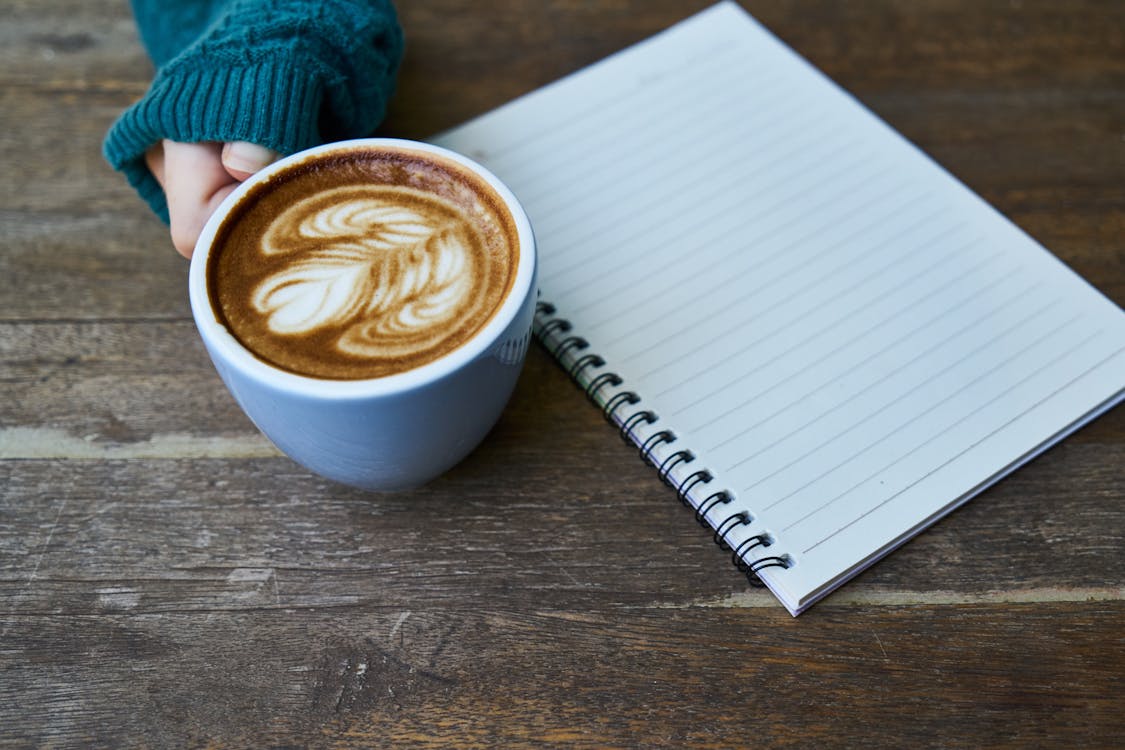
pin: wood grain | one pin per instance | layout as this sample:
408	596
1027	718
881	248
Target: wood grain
167	579
957	676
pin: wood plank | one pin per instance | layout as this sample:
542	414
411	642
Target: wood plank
172	534
56	167
125	382
71	44
89	265
952	676
113	383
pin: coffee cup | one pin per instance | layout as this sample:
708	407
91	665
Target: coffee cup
368	304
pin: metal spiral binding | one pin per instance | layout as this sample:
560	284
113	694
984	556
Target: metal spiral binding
558	324
611	406
580	364
705	507
759	540
570	342
606	378
740	518
653	440
548	326
776	561
700	477
634	420
664	471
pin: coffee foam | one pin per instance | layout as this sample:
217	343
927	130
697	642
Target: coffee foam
363	267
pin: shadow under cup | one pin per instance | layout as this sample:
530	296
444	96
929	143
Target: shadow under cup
397	430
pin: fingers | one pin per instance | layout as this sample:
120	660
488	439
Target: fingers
242	159
195	182
196	177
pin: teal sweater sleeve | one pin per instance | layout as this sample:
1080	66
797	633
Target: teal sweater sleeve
286	74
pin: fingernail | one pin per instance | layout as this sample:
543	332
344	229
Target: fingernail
247	157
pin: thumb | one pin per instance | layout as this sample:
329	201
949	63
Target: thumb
242	159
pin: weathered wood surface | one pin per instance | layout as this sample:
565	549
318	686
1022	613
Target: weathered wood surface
168	580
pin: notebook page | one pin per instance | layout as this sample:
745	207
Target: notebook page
845	337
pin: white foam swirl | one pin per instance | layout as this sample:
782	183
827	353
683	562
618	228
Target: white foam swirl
392	268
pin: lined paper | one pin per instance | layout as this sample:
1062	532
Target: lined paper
848	340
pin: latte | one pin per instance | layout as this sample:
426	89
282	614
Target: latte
362	264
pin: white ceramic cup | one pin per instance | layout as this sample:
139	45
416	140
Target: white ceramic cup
386	433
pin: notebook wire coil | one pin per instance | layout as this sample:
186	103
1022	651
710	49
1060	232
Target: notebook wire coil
553	334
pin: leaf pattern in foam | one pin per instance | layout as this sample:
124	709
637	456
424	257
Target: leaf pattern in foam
432	290
327	289
384	272
340	214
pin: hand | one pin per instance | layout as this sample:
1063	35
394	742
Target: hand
196	177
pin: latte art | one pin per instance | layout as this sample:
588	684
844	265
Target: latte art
364	265
388	274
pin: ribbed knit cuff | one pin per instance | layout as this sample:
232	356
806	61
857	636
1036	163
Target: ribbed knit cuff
275	104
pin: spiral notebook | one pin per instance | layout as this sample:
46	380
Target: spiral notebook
817	337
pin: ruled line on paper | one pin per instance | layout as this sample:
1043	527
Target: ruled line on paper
972	446
668	171
594	111
720	197
644	131
906	396
888	375
618	153
735	274
634	103
665	119
706	215
739	264
779	329
742	251
887	435
846	345
772	283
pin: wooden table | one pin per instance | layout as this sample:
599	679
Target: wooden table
168	580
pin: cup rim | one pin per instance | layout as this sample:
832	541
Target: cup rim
220	340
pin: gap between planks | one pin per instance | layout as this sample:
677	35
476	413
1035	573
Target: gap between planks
860	598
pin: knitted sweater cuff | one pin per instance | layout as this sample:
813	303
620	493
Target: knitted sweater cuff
274	104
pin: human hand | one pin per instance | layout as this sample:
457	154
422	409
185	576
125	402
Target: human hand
196	177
